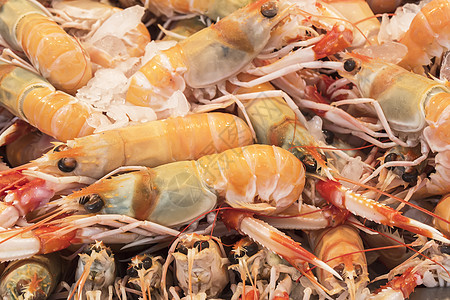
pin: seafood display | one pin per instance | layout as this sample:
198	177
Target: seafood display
224	149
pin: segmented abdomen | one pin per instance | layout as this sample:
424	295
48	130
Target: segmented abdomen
258	176
58	57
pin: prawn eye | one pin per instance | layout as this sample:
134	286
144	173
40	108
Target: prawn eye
251	249
92	203
351	66
309	163
147	263
182	249
67	164
269	9
201	244
132	272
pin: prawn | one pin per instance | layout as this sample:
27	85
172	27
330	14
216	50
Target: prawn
414	107
33	99
95	272
231	44
335	245
239	175
85	159
428	35
31	278
145	274
200	264
26	27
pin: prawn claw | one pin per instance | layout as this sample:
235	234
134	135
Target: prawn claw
273	239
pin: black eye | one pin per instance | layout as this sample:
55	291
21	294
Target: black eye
232	257
310	163
182	249
411	177
60	148
390	157
251	249
350	65
109	252
269	9
92	203
201	245
132	272
67	164
147	263
329	136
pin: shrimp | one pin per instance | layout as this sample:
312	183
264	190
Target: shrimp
231	44
83	160
32	278
442	210
414	107
25	26
335	245
30	97
273	175
95	272
200	265
268	274
428	35
145	274
96	24
213	9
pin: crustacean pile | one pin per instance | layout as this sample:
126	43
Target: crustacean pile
228	149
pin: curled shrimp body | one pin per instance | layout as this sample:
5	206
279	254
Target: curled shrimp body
332	245
212	8
428	35
33	99
57	56
149	144
415	108
32	278
157	194
231	44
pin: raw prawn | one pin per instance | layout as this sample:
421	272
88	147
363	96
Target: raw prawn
33	99
25	26
95	272
32	278
145	274
200	264
83	160
239	175
341	247
428	35
230	43
414	107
